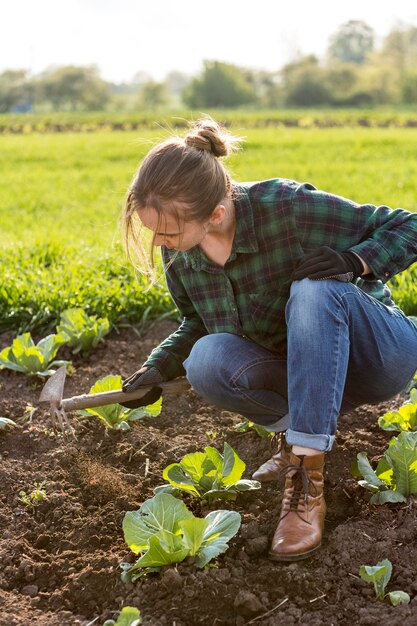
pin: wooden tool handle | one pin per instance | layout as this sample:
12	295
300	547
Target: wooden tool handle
90	400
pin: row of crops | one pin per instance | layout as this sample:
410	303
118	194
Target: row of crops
295	118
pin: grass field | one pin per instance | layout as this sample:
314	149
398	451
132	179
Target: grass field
61	196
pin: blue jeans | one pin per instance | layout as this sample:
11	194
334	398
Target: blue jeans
345	349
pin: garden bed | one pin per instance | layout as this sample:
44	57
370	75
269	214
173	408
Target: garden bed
60	561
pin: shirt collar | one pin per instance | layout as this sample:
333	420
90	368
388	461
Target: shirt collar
245	237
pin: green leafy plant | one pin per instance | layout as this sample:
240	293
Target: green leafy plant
5	421
163	531
82	332
403	419
247	426
395	476
379	575
114	415
129	616
35	497
208	475
34	360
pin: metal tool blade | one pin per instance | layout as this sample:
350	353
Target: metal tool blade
53	389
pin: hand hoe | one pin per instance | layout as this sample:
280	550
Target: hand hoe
53	391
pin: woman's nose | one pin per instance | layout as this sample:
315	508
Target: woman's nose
159	240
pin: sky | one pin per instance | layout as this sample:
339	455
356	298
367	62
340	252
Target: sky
124	37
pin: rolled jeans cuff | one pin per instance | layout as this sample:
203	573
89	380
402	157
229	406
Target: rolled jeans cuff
279	426
323	443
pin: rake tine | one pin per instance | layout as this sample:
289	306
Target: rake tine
60	422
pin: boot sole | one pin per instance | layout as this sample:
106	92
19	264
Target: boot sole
293	557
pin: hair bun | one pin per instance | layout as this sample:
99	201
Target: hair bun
208	136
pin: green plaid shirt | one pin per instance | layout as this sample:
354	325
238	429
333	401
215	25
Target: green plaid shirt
277	221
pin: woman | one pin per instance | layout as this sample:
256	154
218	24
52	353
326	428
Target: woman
286	316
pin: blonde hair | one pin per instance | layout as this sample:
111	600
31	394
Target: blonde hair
179	170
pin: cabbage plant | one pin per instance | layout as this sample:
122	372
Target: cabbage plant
379	576
114	415
403	419
395	476
247	426
82	332
129	616
34	360
208	475
163	531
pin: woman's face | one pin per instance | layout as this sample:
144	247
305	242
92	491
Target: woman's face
171	233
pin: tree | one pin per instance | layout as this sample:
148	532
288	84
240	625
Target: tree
74	88
409	88
220	85
400	49
16	91
345	83
390	72
352	42
266	86
303	83
153	95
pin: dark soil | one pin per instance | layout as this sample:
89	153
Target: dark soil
59	563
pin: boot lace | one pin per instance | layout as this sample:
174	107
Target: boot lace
278	440
301	483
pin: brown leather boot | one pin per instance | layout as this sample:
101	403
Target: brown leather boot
272	468
301	522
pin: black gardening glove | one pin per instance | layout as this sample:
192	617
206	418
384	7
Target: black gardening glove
143	377
327	263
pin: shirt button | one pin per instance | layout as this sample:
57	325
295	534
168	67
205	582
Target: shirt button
233	309
386	273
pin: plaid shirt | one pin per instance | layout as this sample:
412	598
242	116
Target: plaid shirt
277	221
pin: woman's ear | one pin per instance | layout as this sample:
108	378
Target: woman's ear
217	216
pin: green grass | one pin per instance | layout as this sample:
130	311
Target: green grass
61	196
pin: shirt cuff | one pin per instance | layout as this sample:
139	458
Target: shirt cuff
378	259
166	363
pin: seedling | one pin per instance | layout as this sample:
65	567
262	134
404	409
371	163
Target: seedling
403	419
208	475
34	360
81	332
395	476
5	421
116	416
379	575
35	497
29	412
247	426
129	616
163	531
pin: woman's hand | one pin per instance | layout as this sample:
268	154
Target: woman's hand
327	263
144	377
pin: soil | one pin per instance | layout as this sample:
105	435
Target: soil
60	560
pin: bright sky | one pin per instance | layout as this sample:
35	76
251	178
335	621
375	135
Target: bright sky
124	37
